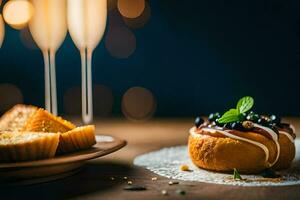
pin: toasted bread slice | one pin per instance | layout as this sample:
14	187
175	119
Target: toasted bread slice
43	121
16	118
77	139
25	146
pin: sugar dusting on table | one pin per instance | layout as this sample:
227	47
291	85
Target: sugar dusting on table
167	161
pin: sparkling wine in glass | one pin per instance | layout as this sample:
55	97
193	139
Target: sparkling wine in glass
48	27
86	24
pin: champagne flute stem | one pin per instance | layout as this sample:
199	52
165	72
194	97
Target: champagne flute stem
53	82
86	84
89	85
47	81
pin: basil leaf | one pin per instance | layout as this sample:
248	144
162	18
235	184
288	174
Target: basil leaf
231	115
236	175
245	104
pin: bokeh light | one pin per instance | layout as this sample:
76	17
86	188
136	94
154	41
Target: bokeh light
102	96
119	41
141	20
111	4
138	103
26	39
17	13
131	8
2	30
10	95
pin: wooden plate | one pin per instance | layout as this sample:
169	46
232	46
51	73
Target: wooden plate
31	172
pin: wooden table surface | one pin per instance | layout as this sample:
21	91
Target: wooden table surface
94	181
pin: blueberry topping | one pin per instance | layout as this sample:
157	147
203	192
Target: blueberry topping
227	125
237	126
198	121
275	119
252	117
263	122
213	117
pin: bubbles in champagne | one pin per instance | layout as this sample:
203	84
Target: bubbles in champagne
17	13
131	8
138	103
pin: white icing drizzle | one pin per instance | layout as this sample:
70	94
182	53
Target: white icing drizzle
274	138
293	128
288	136
212	130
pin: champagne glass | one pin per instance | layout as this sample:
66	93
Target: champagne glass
86	24
48	27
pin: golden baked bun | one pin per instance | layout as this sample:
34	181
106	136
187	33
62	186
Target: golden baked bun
43	121
77	139
25	146
223	154
287	152
16	117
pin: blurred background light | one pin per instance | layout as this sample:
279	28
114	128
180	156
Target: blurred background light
141	20
111	4
119	41
10	95
17	13
26	39
131	8
2	30
138	103
102	96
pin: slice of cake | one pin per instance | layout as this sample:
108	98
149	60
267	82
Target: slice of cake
31	118
25	146
77	139
43	121
16	117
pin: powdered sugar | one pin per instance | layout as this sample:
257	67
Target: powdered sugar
166	162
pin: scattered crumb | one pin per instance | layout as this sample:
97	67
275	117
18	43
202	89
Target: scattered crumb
173	182
164	192
184	168
129	182
112	178
125	178
154	178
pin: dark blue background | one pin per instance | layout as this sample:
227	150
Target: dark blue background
195	56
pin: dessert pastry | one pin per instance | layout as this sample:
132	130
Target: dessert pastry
43	121
30	118
22	129
77	139
25	146
15	118
241	139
